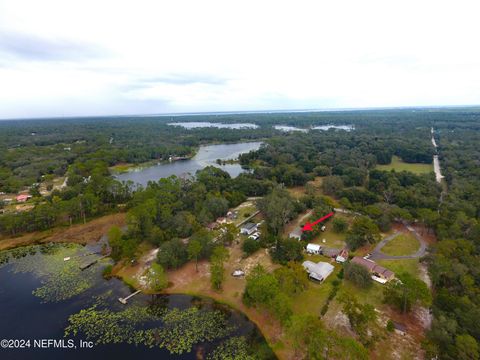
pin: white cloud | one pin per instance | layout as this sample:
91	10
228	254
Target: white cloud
109	57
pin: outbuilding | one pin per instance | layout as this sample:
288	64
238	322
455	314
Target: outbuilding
314	249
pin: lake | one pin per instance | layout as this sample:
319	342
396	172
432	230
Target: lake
288	128
39	293
196	125
206	156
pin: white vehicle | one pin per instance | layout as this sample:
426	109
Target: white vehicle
367	256
255	236
238	273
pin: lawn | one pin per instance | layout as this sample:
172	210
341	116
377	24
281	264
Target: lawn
244	211
404	244
398	165
399	266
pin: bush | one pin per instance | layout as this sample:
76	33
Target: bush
107	272
339	225
390	326
288	250
250	246
358	275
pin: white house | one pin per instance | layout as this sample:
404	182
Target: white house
248	228
319	271
314	249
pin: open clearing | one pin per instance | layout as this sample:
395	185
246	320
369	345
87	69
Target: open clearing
398	164
403	244
79	233
410	266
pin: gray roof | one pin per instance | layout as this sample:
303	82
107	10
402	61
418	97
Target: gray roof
319	271
249	226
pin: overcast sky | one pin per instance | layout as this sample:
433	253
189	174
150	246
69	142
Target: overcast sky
100	57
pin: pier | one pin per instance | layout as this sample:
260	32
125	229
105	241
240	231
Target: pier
124	300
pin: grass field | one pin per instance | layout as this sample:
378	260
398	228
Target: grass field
399	266
404	244
398	165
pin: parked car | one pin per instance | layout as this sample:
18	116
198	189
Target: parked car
255	236
238	273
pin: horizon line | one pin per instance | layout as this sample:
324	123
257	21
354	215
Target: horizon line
240	112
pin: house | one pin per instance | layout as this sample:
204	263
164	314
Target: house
342	257
314	249
296	234
318	271
379	273
248	228
23	197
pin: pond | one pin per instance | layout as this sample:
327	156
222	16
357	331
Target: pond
196	125
44	297
207	155
288	128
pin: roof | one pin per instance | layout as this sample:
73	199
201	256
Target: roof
319	271
399	326
331	252
296	233
315	247
249	226
23	197
372	266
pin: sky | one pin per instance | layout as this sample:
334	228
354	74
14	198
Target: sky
103	57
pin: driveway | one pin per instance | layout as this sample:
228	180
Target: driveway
377	253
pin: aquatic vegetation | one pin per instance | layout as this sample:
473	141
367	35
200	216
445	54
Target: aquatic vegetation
177	330
235	348
60	279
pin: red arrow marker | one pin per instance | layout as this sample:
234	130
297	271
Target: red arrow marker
309	226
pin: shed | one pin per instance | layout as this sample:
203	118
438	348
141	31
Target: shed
296	234
318	271
314	249
400	328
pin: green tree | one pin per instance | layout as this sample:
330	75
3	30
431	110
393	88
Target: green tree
278	208
467	347
194	249
358	275
363	231
406	292
172	254
217	271
156	277
339	225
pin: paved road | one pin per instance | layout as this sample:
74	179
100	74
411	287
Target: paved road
377	253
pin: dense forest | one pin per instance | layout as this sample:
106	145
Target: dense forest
169	210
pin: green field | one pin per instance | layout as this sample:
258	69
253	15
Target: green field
399	266
398	165
403	244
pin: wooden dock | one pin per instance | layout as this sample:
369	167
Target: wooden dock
87	265
125	300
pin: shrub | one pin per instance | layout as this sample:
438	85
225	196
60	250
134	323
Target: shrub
358	275
390	326
250	246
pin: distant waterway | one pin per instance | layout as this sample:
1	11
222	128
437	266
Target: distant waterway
206	156
288	128
196	125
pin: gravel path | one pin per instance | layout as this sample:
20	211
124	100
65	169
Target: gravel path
377	253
